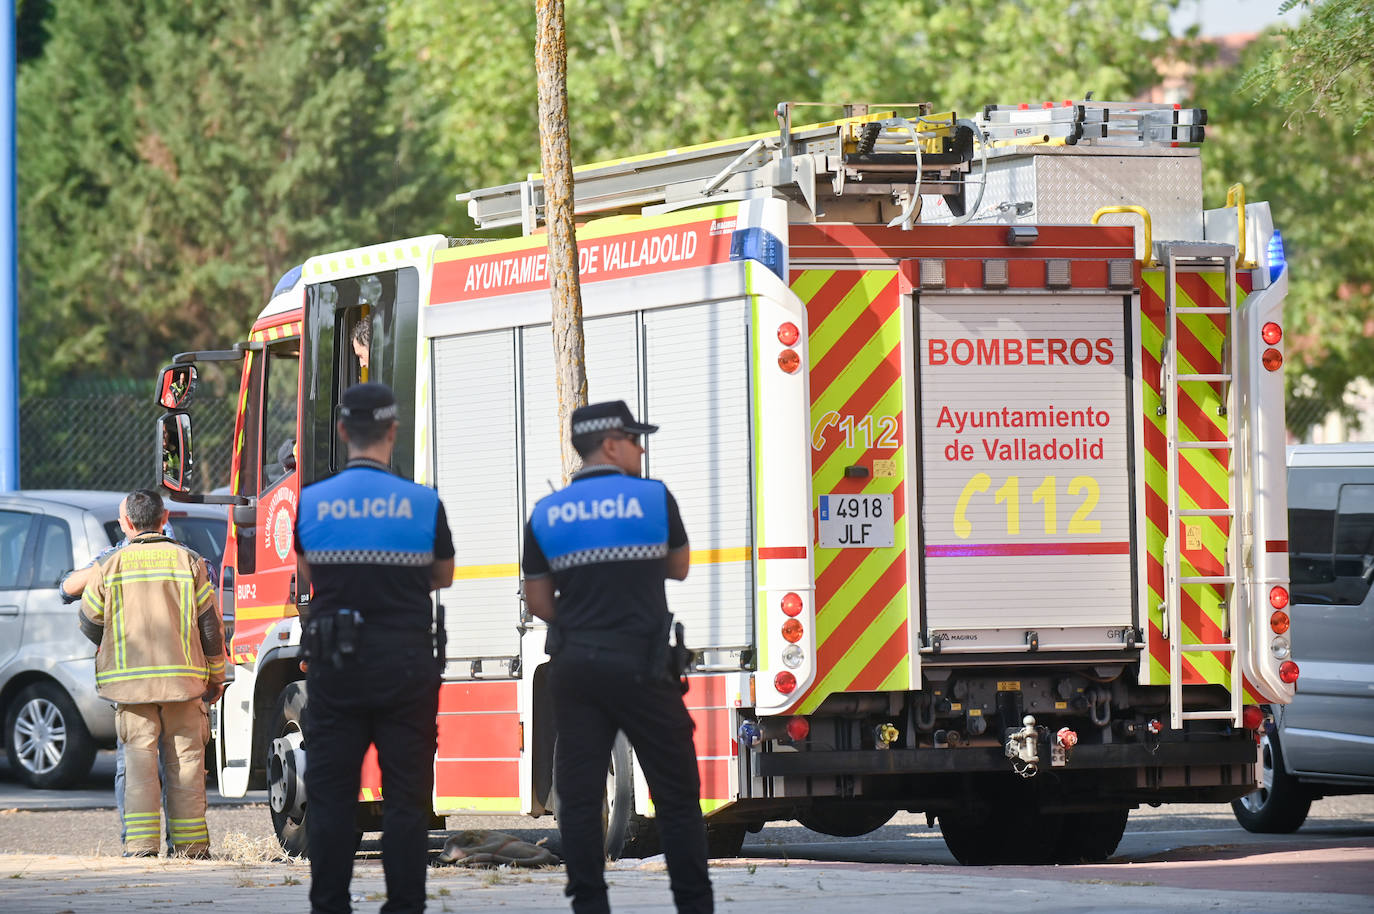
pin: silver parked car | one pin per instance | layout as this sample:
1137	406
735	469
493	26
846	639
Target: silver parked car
1323	743
53	719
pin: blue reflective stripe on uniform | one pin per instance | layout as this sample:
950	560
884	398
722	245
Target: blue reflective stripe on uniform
602	519
369	511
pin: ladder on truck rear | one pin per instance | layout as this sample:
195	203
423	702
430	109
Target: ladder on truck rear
1208	257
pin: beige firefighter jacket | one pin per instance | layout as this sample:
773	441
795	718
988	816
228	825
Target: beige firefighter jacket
156	605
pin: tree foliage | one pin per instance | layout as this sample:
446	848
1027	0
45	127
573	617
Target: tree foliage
1325	66
644	75
1315	174
176	158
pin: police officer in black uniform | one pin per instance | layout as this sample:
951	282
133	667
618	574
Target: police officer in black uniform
374	546
595	558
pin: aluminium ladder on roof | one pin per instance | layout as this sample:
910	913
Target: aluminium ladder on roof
868	153
1210	257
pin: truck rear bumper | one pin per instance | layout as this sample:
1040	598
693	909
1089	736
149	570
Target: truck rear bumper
811	763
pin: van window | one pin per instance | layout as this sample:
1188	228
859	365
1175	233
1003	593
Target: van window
1330	536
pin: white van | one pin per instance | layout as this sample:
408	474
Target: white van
1323	743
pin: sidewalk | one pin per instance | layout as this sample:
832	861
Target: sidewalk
41	884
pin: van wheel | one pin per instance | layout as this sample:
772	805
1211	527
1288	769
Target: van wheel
286	771
1280	805
46	740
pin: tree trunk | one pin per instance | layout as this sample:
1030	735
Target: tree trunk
551	63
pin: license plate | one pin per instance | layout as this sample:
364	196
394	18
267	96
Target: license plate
855	521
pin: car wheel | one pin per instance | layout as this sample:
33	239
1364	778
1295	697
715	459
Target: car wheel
1280	804
286	770
46	740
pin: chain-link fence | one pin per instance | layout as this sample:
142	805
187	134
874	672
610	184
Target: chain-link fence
107	439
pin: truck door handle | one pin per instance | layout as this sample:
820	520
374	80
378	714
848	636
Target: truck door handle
291	594
9	610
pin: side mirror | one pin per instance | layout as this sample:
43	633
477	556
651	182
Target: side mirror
176	385
176	463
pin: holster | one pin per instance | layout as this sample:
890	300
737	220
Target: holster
333	637
673	660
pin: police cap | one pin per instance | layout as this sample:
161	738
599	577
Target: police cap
604	417
369	402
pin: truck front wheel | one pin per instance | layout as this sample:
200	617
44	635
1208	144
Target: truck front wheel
286	770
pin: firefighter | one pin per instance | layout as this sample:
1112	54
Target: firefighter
596	556
374	546
150	607
70	590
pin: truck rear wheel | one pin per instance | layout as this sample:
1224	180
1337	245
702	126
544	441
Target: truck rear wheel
1281	804
845	818
286	770
1002	836
1090	837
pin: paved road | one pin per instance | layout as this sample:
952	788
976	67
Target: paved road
1179	858
95	792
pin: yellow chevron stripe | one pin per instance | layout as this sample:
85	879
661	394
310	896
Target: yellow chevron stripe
842	674
838	322
809	282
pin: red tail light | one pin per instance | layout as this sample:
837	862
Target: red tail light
1288	671
1252	717
788	334
798	729
791	604
1278	597
785	683
792	631
789	361
1272	359
1271	333
1279	622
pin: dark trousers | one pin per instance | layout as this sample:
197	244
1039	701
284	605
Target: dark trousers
592	699
390	699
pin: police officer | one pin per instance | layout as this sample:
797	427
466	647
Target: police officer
374	546
595	558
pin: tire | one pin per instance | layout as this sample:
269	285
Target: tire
845	818
623	831
1090	837
725	839
46	740
286	788
1281	803
1004	836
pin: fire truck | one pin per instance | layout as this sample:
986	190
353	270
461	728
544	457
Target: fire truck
977	429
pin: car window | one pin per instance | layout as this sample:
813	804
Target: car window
203	534
54	552
14	533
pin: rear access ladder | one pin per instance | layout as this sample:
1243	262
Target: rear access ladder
1208	257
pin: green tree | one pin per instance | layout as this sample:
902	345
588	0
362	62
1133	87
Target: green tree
1325	66
645	75
176	158
1315	172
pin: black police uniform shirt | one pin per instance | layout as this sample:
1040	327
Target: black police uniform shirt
370	538
605	538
